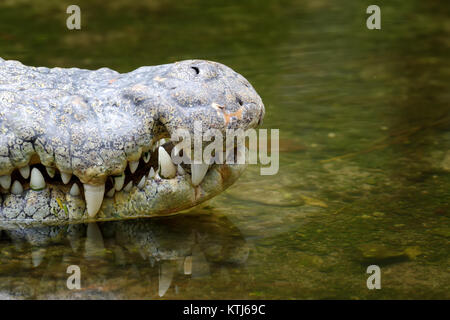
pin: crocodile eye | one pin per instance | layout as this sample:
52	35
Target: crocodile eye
196	69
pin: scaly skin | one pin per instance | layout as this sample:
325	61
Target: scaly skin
92	123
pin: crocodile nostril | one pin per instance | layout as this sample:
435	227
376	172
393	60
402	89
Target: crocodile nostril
197	70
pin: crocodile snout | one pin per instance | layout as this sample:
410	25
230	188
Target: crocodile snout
70	137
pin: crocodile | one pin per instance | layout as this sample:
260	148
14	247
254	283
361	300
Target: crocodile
81	145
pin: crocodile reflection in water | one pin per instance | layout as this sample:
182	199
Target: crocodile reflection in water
87	145
122	259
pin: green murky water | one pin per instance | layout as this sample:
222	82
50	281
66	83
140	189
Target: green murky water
364	153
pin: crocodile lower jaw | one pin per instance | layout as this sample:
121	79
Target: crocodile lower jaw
152	186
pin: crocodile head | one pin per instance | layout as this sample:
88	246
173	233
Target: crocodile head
79	145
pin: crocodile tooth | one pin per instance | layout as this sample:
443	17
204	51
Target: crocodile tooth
159	143
50	171
168	169
16	188
188	265
118	182
128	186
94	246
65	177
37	181
163	141
25	172
94	197
5	181
198	172
37	255
133	166
146	157
151	173
166	271
141	183
110	193
180	170
75	190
